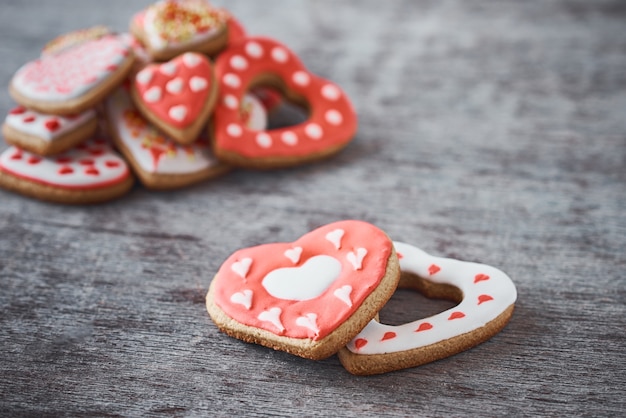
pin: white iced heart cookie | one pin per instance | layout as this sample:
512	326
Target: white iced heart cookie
486	298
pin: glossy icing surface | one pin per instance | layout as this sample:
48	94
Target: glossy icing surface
487	292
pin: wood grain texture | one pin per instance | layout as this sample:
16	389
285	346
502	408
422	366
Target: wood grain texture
490	131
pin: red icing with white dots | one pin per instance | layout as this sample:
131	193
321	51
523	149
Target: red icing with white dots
307	288
90	165
72	72
176	91
332	121
487	292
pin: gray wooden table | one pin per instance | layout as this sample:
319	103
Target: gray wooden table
492	131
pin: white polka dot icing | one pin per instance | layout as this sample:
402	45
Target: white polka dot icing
44	126
331	123
487	293
71	73
153	151
93	164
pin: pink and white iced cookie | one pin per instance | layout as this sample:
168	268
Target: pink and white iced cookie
308	297
258	61
89	173
486	299
71	39
158	161
45	134
75	79
168	28
177	96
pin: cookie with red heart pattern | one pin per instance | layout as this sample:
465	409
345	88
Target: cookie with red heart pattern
74	79
177	96
88	173
45	134
308	297
485	297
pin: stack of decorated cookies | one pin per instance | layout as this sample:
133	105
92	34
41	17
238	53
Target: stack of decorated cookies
183	97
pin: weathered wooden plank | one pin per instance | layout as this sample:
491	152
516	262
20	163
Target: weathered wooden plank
490	131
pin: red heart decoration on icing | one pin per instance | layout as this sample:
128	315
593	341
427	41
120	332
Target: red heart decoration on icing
28	119
66	170
433	269
52	125
388	336
424	326
360	342
34	160
456	315
92	171
484	298
18	110
480	277
307	288
112	164
176	92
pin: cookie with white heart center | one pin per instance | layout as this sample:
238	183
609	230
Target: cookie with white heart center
74	79
308	297
168	28
485	297
88	173
45	134
177	96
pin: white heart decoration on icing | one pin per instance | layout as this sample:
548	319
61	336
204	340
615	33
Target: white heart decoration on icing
243	298
356	257
144	76
242	267
153	94
343	294
335	237
175	85
178	112
191	60
304	282
294	254
169	68
198	83
308	321
272	315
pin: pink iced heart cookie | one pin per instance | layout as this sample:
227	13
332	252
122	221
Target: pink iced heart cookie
170	27
75	79
485	296
308	297
255	62
177	96
91	172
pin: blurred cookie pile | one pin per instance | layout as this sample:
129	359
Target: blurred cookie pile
182	98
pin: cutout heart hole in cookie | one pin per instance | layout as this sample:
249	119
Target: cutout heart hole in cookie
418	298
283	110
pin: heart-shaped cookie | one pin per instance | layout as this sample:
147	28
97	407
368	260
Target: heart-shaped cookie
74	79
257	62
170	27
90	172
177	96
308	297
485	297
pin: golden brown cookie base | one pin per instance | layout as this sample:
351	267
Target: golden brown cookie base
305	347
60	195
42	147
